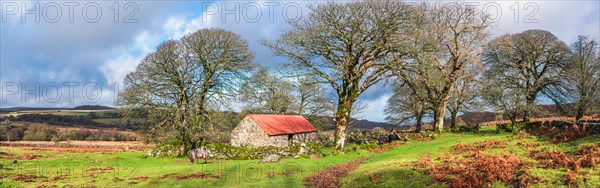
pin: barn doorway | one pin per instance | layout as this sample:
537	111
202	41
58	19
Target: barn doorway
290	138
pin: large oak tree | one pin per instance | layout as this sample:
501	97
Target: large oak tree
529	62
443	40
344	45
578	93
175	83
407	105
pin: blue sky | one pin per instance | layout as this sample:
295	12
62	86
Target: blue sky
78	52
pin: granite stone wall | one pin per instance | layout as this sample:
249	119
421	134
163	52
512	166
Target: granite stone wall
306	137
248	133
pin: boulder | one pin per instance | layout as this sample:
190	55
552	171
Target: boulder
271	158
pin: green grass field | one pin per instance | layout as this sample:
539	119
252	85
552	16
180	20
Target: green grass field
393	168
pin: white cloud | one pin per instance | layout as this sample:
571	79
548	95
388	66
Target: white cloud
565	19
116	69
375	109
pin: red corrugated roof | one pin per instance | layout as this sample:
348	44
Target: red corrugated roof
282	124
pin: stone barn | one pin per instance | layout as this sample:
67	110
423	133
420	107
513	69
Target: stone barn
272	130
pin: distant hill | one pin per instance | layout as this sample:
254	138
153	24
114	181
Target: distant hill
326	123
93	107
366	124
84	107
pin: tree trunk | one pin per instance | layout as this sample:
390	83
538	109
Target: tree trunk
454	119
340	134
438	117
526	116
342	119
530	102
513	122
579	115
183	137
419	123
185	144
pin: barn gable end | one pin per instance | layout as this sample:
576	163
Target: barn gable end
250	134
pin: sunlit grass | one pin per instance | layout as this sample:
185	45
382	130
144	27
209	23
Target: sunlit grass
393	168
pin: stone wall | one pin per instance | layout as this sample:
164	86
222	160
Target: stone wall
248	133
306	137
280	140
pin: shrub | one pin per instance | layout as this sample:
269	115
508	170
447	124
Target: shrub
39	132
508	128
15	134
371	146
55	139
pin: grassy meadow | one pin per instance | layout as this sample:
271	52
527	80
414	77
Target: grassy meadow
393	168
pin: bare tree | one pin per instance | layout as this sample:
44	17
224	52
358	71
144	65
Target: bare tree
344	45
406	105
312	98
578	94
177	81
530	61
464	93
503	98
444	40
268	93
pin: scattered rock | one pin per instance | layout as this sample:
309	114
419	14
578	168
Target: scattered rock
271	158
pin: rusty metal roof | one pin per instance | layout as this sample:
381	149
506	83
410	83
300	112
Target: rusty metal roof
282	124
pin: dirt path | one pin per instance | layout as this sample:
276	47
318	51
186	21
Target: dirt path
331	176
